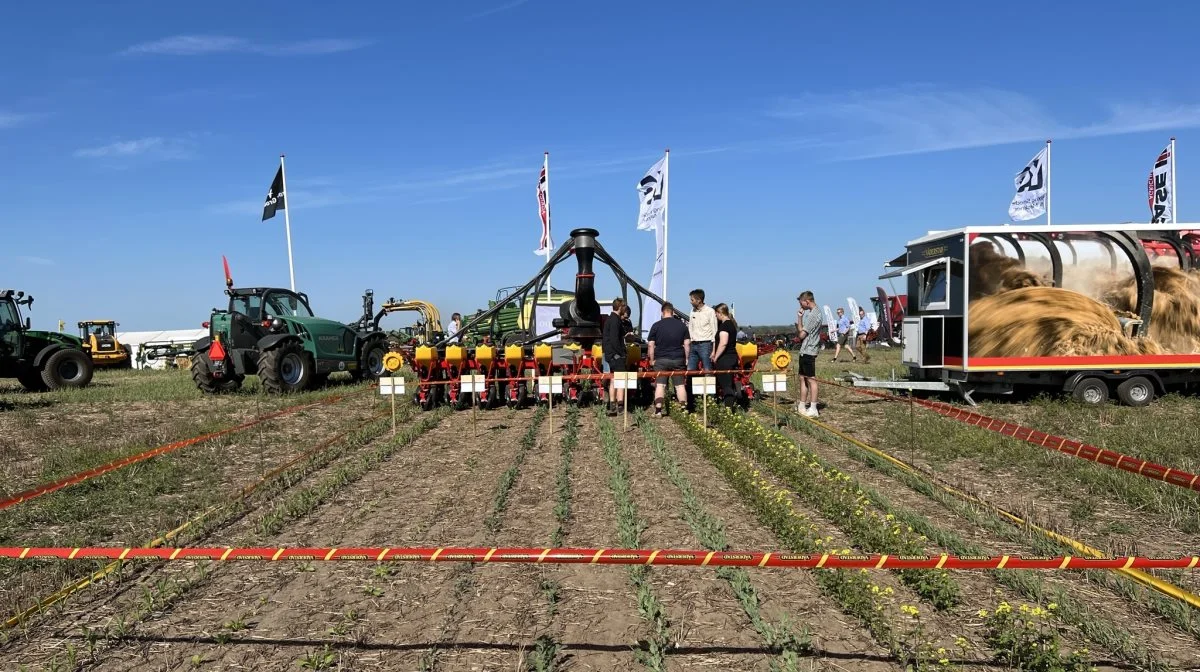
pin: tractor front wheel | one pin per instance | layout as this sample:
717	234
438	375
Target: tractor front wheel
67	368
202	376
285	369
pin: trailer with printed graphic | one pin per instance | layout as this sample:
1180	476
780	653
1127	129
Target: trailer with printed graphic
1093	311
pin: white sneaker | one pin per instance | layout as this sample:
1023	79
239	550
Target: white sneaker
801	409
812	411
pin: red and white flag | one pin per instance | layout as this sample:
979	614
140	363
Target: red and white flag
543	196
1160	187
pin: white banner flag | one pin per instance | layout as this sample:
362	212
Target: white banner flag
543	196
652	216
1033	190
1161	188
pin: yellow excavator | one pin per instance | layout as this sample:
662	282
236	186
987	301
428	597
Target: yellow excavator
100	342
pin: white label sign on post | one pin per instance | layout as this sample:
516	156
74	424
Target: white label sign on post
625	380
704	385
391	386
473	384
774	382
550	384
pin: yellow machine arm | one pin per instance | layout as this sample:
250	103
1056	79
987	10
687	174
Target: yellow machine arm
429	312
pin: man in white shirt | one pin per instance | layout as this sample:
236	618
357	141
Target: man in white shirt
702	329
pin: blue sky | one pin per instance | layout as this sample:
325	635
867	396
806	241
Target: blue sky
808	142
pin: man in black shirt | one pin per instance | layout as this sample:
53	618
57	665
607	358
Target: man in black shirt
612	342
670	344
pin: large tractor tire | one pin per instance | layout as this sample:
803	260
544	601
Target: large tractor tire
286	369
202	376
370	362
67	368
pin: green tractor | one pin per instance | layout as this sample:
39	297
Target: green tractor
272	333
40	360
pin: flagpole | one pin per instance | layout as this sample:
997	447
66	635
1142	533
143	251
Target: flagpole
547	163
287	221
1047	182
666	209
1174	193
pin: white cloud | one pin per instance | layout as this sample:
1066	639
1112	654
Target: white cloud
496	10
39	261
201	45
156	147
12	119
921	119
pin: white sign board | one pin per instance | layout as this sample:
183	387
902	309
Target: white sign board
550	384
704	385
625	380
774	382
391	386
472	384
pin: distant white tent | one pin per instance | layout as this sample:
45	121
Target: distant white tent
134	340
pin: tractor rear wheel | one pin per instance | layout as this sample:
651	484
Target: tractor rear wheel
67	368
202	376
285	369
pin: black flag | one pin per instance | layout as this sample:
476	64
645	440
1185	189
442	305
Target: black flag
275	197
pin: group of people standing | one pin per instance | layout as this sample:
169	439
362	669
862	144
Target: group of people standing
708	342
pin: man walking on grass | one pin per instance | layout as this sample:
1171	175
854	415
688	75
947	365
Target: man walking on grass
808	325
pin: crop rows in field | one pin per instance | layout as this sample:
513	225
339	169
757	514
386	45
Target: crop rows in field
742	483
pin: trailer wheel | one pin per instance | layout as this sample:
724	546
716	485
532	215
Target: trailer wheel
1091	391
1137	391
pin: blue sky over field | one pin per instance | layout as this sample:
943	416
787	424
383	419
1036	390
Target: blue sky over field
808	143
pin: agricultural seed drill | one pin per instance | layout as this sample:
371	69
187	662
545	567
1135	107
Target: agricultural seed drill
567	345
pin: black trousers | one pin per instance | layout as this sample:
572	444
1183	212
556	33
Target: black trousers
725	388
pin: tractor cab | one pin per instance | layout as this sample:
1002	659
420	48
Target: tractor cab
257	312
12	328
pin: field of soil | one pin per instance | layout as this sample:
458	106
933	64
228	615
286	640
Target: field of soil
330	472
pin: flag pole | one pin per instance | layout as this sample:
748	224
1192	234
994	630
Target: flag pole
666	210
287	221
1047	182
548	285
1174	193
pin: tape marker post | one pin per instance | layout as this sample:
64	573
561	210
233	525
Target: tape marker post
618	556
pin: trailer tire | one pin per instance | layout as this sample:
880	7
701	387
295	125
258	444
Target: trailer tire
1091	391
1137	391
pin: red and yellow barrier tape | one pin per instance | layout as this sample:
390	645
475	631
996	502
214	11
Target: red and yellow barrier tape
1084	451
601	556
123	462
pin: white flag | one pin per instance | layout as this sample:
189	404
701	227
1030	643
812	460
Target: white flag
543	196
652	216
1161	189
1033	190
